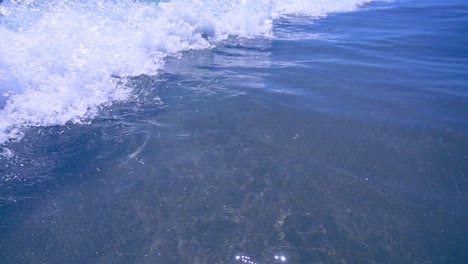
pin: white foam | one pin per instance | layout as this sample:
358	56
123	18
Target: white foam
7	153
59	59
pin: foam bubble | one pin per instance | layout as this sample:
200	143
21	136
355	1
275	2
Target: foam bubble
60	61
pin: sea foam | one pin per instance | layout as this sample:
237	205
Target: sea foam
61	61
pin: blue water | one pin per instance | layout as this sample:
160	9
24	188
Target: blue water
234	132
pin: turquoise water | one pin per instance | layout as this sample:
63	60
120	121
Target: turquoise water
233	132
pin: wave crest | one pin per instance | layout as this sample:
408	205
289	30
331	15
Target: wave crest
58	58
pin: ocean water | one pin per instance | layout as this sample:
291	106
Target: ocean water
233	131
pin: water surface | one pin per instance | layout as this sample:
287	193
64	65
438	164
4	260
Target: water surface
333	137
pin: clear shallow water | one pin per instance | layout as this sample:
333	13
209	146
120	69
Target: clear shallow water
342	139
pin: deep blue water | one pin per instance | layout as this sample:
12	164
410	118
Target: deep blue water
339	139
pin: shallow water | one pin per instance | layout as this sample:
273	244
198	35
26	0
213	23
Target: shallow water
339	139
